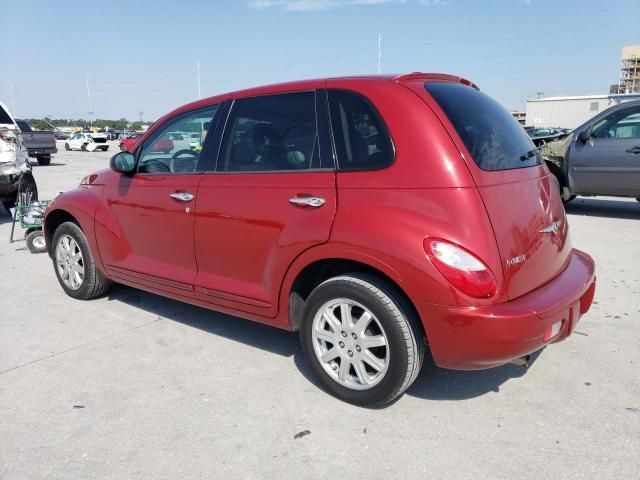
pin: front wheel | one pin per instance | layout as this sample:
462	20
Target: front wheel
361	339
74	265
67	147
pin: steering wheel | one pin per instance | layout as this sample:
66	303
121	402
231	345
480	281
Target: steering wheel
194	156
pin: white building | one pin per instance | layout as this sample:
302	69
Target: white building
570	112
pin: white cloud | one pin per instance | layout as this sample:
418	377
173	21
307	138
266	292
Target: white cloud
316	5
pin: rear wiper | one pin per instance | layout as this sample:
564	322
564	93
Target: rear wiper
529	154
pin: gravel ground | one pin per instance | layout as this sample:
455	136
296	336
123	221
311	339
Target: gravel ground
134	385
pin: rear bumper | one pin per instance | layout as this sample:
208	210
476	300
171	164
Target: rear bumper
42	151
483	337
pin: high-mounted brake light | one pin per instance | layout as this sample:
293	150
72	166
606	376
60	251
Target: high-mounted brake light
461	268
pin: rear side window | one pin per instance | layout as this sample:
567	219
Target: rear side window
494	138
361	137
23	126
271	133
4	116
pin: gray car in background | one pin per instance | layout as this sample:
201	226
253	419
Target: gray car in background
600	157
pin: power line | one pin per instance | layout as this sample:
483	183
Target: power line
379	53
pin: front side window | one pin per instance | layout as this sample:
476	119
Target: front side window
495	140
620	124
361	138
170	154
271	133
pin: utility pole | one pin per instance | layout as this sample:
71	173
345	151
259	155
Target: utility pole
539	94
379	53
86	75
199	91
13	100
140	113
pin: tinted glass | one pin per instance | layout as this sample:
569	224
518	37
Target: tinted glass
494	138
23	126
361	138
620	124
4	116
164	153
271	133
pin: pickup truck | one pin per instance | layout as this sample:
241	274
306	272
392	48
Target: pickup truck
14	158
601	156
40	144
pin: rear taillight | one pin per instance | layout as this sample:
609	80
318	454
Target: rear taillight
461	268
8	136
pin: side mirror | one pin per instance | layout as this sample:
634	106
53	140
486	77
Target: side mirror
585	135
123	162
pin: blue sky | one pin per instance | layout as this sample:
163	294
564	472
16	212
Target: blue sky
141	55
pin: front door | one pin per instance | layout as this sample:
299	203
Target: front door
271	197
154	209
609	162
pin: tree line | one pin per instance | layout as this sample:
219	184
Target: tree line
46	123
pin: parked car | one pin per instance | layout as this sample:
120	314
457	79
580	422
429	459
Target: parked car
427	246
164	144
14	158
60	135
87	141
40	144
540	136
600	157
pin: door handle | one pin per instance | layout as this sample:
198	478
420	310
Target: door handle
634	150
182	196
314	202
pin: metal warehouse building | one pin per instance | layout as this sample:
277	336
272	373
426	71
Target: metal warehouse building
570	112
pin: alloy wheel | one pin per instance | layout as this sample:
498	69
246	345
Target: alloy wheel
70	262
350	344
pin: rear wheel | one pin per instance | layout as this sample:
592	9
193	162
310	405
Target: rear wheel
361	339
83	147
74	265
44	160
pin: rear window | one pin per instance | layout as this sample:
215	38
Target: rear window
4	116
494	138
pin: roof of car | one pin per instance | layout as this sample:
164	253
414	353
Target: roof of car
317	83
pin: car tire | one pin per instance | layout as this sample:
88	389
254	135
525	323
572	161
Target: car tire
341	360
67	147
638	199
83	147
35	241
44	160
78	275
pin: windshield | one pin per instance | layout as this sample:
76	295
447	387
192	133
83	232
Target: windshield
494	138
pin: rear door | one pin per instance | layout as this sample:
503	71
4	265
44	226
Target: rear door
271	197
609	162
522	201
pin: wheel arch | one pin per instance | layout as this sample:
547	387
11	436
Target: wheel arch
54	219
313	273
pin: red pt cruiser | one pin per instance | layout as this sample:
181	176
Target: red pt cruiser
379	216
